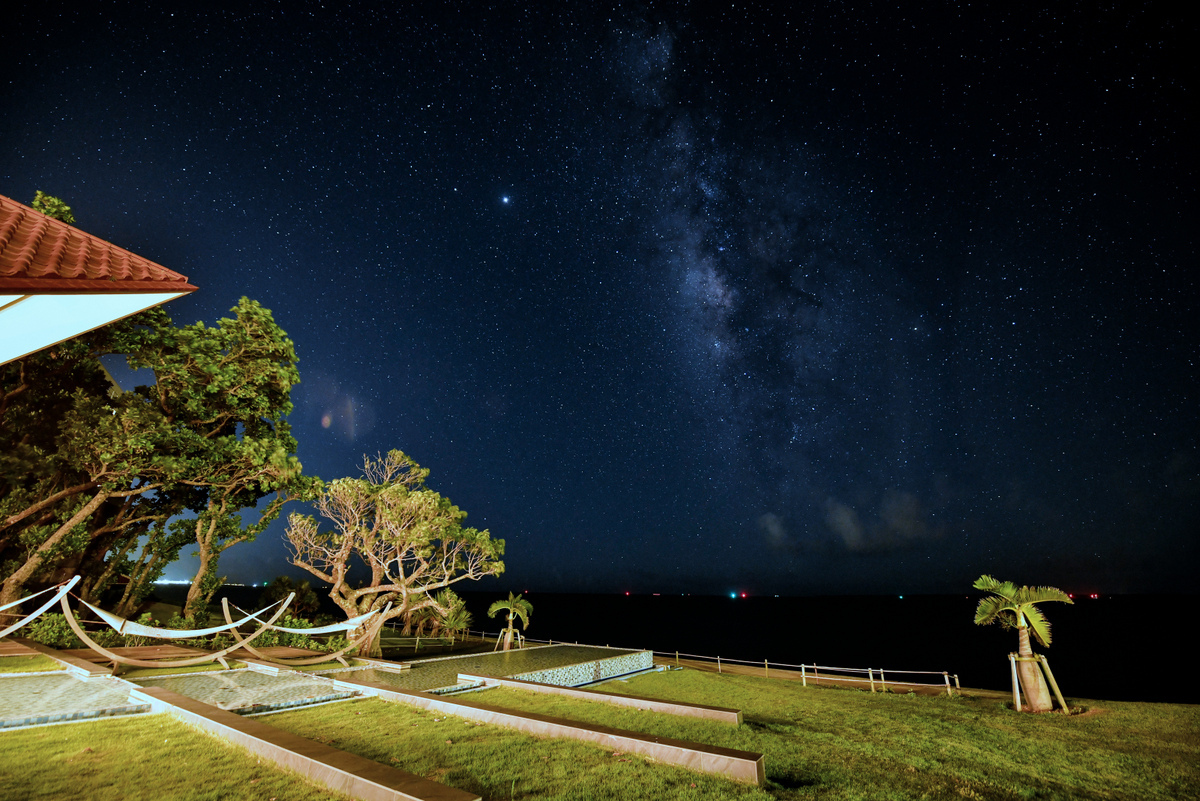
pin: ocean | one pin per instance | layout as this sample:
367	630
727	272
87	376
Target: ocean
1120	648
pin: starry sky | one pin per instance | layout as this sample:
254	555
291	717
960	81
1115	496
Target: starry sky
681	297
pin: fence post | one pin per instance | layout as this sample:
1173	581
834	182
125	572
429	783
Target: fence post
957	686
871	675
882	680
803	676
946	676
766	670
676	659
718	664
817	675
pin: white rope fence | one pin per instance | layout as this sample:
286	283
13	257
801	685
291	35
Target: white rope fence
814	672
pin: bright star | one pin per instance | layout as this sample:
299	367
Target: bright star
505	200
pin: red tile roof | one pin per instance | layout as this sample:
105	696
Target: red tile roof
40	255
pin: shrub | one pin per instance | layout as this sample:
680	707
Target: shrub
54	631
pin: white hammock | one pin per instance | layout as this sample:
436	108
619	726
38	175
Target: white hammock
63	589
345	625
366	636
128	627
215	656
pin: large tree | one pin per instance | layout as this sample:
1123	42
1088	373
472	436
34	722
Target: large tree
91	475
406	540
1015	607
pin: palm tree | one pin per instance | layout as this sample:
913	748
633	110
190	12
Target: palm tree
1015	607
517	608
457	619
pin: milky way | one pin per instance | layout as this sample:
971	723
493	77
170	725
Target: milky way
806	361
839	298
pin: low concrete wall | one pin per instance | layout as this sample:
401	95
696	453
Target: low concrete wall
339	770
717	713
743	766
589	672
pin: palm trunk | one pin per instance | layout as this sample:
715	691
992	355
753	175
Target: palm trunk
1033	683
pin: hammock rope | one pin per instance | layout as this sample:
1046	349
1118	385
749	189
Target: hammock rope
63	589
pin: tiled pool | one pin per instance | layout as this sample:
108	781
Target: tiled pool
50	698
433	674
247	691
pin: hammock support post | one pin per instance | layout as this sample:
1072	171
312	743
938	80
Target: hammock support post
117	659
349	625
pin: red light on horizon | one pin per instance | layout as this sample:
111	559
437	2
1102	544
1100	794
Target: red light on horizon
743	595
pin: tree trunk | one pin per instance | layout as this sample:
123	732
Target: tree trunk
372	647
1033	683
12	587
196	603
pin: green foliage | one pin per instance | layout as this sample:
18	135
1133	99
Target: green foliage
53	630
455	620
1015	607
332	643
90	477
52	207
304	604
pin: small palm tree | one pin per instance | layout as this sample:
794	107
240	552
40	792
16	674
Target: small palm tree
1015	608
517	608
457	619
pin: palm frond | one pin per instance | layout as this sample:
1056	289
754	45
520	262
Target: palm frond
1038	595
1038	624
497	607
1004	589
522	613
986	583
989	610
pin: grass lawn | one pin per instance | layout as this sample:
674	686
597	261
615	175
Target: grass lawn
32	663
819	743
495	762
145	757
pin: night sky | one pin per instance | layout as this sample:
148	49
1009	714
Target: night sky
681	297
